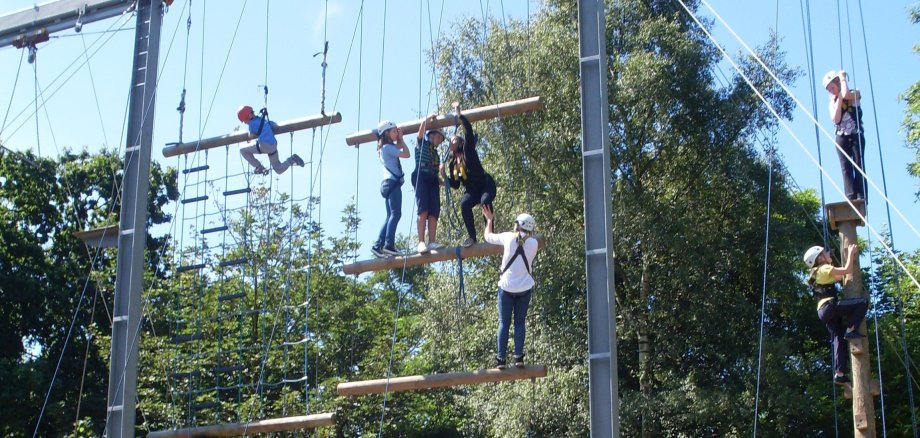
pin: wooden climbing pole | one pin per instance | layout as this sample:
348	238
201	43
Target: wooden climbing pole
842	217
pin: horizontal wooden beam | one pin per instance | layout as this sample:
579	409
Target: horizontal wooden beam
409	383
473	114
241	136
439	255
254	427
105	237
57	16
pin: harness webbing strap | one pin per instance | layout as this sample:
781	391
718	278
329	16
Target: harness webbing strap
518	252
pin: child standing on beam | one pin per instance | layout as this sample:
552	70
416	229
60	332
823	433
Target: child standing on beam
831	310
515	285
851	142
466	168
390	148
263	131
425	181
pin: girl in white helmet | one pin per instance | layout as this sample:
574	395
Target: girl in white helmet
262	131
831	310
515	285
847	116
390	148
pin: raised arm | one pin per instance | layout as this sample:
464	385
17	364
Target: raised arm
422	127
401	144
847	269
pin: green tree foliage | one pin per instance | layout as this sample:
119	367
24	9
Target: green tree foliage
690	192
912	112
45	274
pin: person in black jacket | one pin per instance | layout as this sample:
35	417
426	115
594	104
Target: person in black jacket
465	168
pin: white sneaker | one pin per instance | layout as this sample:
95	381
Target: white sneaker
434	245
422	248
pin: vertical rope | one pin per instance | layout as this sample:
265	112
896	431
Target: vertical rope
897	273
38	142
810	59
763	295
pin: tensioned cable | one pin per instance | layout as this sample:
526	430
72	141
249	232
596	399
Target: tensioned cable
763	295
64	71
897	274
810	59
22	55
812	118
791	132
92	82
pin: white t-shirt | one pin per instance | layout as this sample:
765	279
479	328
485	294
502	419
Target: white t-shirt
515	279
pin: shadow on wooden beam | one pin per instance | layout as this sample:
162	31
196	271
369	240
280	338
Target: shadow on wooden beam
262	426
409	383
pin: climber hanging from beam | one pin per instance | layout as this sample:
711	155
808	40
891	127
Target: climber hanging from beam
473	115
174	149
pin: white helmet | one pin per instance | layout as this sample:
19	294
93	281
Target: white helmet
829	77
525	222
811	255
383	127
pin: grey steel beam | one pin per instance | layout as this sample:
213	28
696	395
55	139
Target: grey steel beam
602	340
57	16
132	237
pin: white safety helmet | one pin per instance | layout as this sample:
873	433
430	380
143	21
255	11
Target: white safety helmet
525	222
829	77
811	255
383	127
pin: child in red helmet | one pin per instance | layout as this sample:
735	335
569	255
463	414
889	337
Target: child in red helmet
262	130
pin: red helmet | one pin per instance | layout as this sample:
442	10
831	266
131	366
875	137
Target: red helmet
245	113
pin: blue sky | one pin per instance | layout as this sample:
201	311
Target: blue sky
385	77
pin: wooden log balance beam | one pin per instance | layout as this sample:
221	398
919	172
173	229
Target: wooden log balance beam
481	249
254	427
237	137
472	114
409	383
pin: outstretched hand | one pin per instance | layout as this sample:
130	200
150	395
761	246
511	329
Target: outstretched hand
487	212
456	107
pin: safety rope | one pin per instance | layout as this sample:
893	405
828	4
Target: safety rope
897	274
788	129
181	107
763	294
810	59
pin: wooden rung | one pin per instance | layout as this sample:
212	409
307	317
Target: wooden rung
190	267
233	262
205	405
241	136
187	375
409	383
857	346
237	191
229	297
472	114
215	229
196	169
481	249
179	339
228	369
195	199
254	427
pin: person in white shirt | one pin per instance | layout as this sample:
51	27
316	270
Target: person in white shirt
515	285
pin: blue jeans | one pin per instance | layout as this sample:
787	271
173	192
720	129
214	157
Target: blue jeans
393	202
517	304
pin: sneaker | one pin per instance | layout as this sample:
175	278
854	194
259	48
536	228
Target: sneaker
853	335
500	363
470	241
391	251
377	252
260	171
519	361
422	248
434	245
297	160
841	379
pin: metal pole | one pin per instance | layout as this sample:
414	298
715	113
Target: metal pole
132	236
602	341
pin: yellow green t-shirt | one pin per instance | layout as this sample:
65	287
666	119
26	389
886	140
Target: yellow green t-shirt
823	276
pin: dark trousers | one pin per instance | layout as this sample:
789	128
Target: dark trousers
479	194
832	314
854	146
